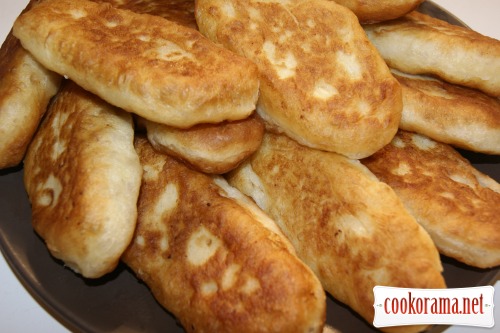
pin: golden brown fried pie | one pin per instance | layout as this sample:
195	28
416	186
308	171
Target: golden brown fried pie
420	44
448	113
213	259
350	228
26	88
82	176
370	11
453	201
209	148
322	82
142	63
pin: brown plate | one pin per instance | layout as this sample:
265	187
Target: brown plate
119	302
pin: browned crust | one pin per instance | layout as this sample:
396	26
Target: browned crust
180	11
350	228
82	177
420	44
454	202
209	148
25	91
322	82
284	295
142	63
460	116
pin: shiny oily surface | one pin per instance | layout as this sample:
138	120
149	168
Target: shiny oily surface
120	302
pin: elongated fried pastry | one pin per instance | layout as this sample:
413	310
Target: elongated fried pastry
453	201
213	259
448	113
420	44
370	11
142	63
82	176
210	148
322	82
26	88
350	228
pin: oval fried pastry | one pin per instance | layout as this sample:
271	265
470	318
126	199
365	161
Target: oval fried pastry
26	88
350	228
463	117
457	205
144	64
82	176
420	44
322	82
214	259
210	148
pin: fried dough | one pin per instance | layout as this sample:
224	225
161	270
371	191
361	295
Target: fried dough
370	11
350	228
452	114
453	201
82	176
209	148
26	88
213	259
322	82
142	63
420	44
